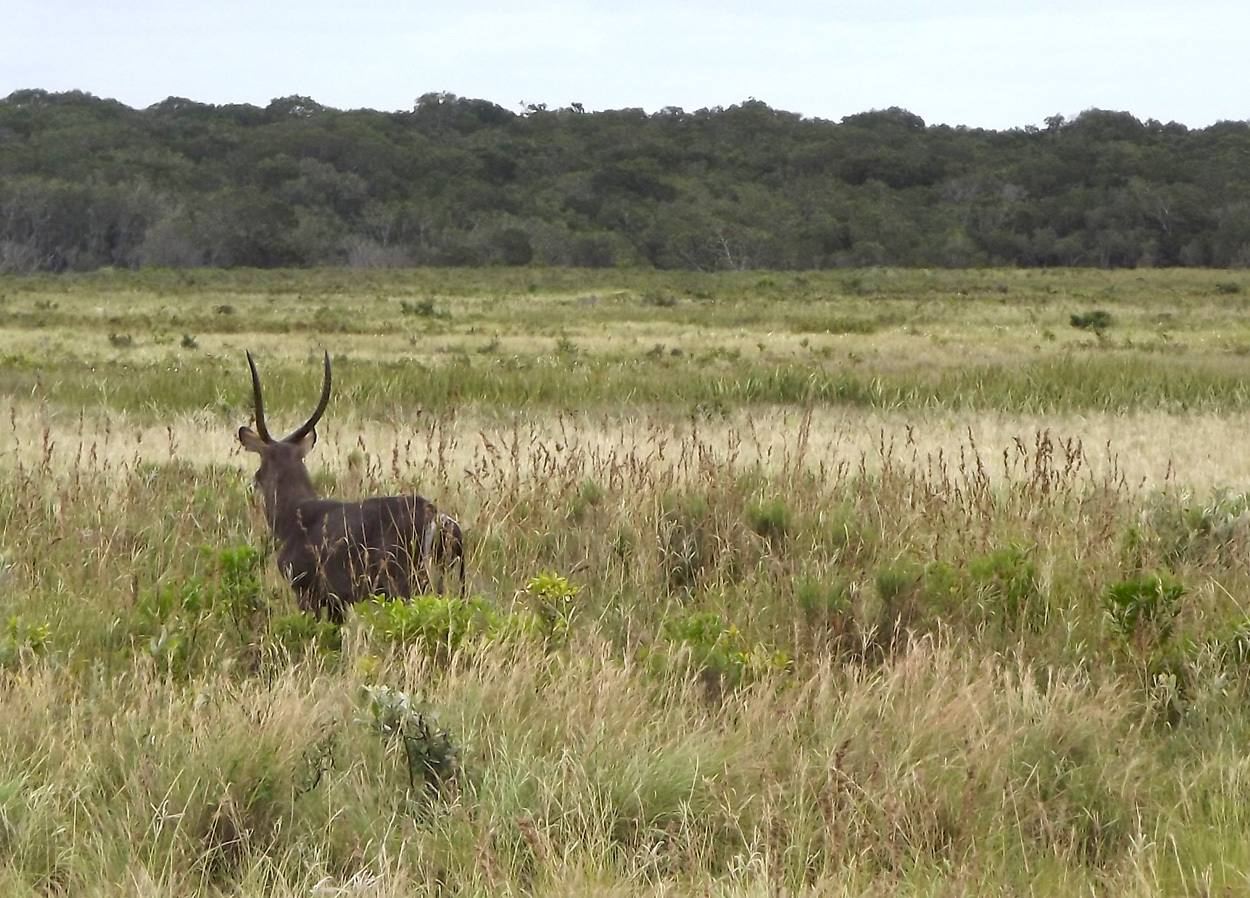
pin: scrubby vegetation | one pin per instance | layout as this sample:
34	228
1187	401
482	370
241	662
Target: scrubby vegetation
87	182
715	641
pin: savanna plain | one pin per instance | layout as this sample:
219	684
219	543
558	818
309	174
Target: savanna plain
853	583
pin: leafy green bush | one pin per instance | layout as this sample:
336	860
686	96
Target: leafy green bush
299	634
422	308
718	651
1009	588
823	598
552	598
179	622
21	641
588	496
844	530
943	587
1144	608
771	519
443	625
1071	787
827	609
1233	645
898	588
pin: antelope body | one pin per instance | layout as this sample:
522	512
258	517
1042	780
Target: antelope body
337	553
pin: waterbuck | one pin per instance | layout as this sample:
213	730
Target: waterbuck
337	553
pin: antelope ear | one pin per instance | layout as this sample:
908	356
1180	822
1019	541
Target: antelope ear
305	443
251	440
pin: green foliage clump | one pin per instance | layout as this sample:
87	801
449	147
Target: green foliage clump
1192	532
1081	813
828	611
1097	321
1008	587
588	496
846	531
718	651
823	598
770	518
553	600
1142	613
1144	608
21	641
442	625
300	634
902	609
422	308
178	623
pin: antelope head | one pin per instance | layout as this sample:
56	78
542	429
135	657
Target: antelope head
282	478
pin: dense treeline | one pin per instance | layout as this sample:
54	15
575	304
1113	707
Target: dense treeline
86	182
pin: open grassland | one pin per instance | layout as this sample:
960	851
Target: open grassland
841	584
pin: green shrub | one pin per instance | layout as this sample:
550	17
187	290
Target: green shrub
827	608
588	496
22	641
823	598
901	611
443	625
1194	531
846	532
299	634
552	599
1233	646
1143	607
718	651
1072	792
943	587
1009	587
422	308
895	581
1097	321
771	519
205	617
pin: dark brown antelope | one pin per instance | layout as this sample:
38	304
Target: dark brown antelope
337	553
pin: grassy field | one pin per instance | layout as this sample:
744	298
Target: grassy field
849	583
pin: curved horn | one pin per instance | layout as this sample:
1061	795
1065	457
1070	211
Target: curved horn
260	405
307	426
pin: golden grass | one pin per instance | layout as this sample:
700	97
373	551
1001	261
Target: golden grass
1152	450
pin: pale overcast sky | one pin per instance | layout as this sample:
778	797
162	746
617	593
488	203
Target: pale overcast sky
982	63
